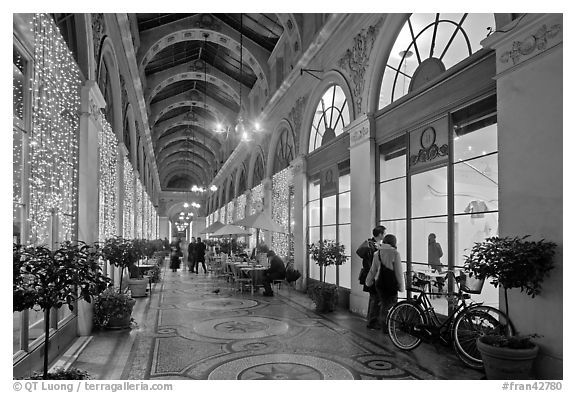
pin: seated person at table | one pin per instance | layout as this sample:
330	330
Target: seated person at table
276	271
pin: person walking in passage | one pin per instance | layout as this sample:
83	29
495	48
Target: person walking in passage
276	271
200	258
191	255
387	267
434	253
366	252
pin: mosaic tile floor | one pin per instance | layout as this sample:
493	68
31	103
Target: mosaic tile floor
185	331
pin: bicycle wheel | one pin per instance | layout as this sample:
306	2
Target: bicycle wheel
473	323
401	321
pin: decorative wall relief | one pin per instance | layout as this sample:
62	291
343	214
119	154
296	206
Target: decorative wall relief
295	117
359	134
428	144
536	41
355	60
207	21
97	34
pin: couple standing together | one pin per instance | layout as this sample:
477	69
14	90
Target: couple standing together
381	275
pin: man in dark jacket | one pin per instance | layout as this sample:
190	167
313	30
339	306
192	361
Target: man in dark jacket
276	271
200	250
366	252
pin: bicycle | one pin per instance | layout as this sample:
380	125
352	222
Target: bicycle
414	320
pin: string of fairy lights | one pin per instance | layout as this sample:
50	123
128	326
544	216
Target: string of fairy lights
230	212
138	209
240	206
280	210
256	195
128	202
53	160
108	178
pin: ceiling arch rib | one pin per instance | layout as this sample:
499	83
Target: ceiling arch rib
188	166
167	157
194	70
207	159
184	120
191	98
152	41
180	138
180	180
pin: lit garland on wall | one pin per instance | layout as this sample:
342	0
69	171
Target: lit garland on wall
223	217
139	209
107	181
240	206
280	210
257	194
128	203
230	212
53	178
18	113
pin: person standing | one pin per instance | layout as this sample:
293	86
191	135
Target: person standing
366	252
385	276
200	258
276	271
191	255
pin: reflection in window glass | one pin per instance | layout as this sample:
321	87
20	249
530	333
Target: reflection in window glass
436	43
329	210
330	276
475	144
421	229
344	208
430	193
393	199
344	183
476	185
16	327
63	312
35	324
392	166
398	229
344	235
314	213
330	119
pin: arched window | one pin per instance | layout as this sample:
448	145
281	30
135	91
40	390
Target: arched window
427	46
105	85
331	116
284	151
127	142
230	191
258	171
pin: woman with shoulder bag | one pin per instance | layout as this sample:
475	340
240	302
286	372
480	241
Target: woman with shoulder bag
386	275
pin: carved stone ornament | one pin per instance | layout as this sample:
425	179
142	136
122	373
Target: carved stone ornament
207	21
97	34
355	60
298	165
295	117
536	41
359	134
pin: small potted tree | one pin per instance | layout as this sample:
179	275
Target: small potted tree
510	262
50	279
120	253
326	253
136	281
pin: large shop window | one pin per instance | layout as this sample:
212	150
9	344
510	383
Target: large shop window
427	46
329	219
416	198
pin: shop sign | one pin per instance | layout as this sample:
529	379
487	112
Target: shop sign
429	144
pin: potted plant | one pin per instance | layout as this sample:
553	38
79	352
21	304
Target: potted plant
60	373
113	309
136	282
510	262
154	274
326	253
49	279
120	253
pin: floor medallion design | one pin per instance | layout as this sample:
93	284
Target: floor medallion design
239	328
281	366
221	304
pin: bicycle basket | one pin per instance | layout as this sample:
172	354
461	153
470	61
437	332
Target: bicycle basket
416	281
470	284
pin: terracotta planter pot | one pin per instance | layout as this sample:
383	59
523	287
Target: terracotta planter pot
507	363
138	286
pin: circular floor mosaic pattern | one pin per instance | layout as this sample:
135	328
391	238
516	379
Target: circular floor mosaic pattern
240	328
281	366
222	304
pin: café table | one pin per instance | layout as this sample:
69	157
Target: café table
256	274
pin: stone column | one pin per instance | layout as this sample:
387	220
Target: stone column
267	192
299	179
91	103
529	88
362	200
